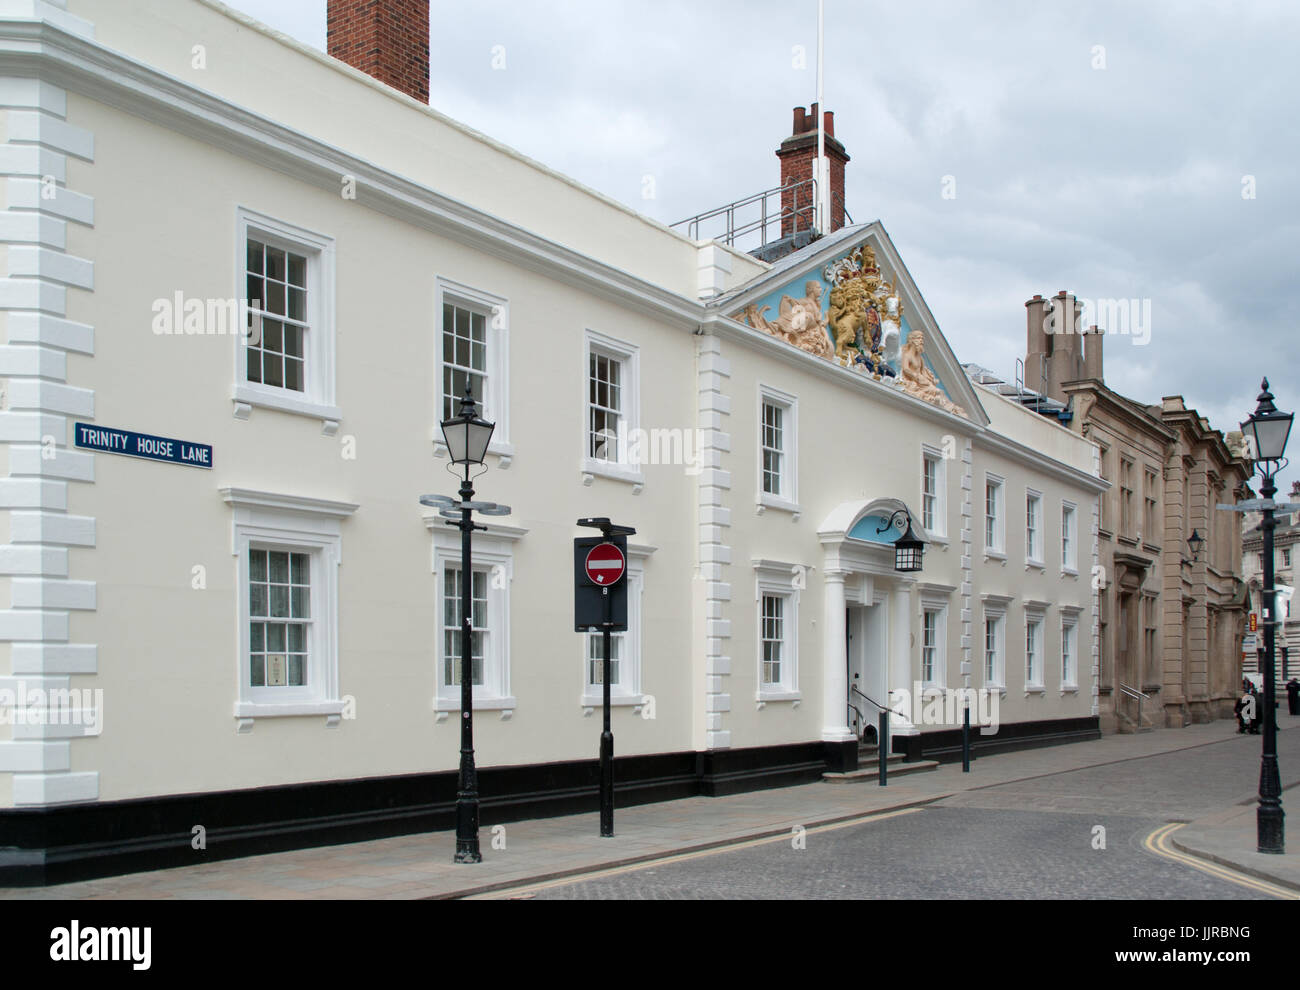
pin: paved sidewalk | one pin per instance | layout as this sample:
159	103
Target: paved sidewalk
419	866
1230	838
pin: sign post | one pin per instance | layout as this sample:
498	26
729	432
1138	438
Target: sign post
600	588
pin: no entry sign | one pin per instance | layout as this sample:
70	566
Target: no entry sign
605	565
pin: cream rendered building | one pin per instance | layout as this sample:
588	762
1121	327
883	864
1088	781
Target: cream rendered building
263	639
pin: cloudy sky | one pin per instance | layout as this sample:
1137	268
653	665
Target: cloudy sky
1119	150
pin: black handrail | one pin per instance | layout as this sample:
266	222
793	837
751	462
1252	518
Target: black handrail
855	690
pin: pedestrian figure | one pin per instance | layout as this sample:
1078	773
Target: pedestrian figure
1239	709
1293	696
1258	714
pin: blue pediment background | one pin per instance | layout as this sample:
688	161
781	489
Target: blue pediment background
795	286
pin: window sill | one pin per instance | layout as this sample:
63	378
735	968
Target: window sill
1069	689
247	396
591	470
506	706
764	697
997	555
766	501
1069	572
1035	689
247	712
1036	565
590	702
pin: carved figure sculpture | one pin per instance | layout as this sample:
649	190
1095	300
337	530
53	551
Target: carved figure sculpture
917	380
847	318
801	322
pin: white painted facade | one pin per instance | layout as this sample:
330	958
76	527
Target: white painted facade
132	176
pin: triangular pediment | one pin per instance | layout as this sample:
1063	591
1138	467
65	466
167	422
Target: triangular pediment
849	299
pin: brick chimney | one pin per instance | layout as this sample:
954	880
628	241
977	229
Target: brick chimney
798	154
387	39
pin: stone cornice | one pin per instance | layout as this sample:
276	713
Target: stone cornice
1122	408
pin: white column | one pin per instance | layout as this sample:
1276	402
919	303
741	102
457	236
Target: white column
835	677
900	660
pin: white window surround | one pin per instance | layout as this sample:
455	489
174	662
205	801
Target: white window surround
777	578
998	549
933	602
317	400
995	607
628	692
1036	617
493	550
311	525
1070	564
939	532
496	403
1034	554
1070	621
788	500
630	357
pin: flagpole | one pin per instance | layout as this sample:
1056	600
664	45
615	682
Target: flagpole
823	193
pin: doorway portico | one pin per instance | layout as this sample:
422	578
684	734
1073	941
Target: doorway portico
867	637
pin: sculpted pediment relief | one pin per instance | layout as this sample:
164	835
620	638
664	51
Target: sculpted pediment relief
853	315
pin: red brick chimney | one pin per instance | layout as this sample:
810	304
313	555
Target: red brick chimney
387	39
798	154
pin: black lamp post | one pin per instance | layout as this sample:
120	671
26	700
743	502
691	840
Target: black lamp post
1194	543
467	437
1269	430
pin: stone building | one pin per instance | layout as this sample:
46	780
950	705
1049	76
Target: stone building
1286	548
1172	607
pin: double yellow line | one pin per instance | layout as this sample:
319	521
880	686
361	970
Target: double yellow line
1158	843
531	889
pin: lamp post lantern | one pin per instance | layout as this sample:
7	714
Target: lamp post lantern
1268	431
467	436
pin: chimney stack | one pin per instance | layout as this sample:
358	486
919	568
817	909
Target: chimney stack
386	39
798	154
1054	354
1038	343
1092	354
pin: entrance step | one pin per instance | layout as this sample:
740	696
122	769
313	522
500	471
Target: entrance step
897	768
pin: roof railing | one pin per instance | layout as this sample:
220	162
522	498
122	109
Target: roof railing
753	217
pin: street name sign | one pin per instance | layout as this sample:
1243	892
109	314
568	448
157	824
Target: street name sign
107	440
